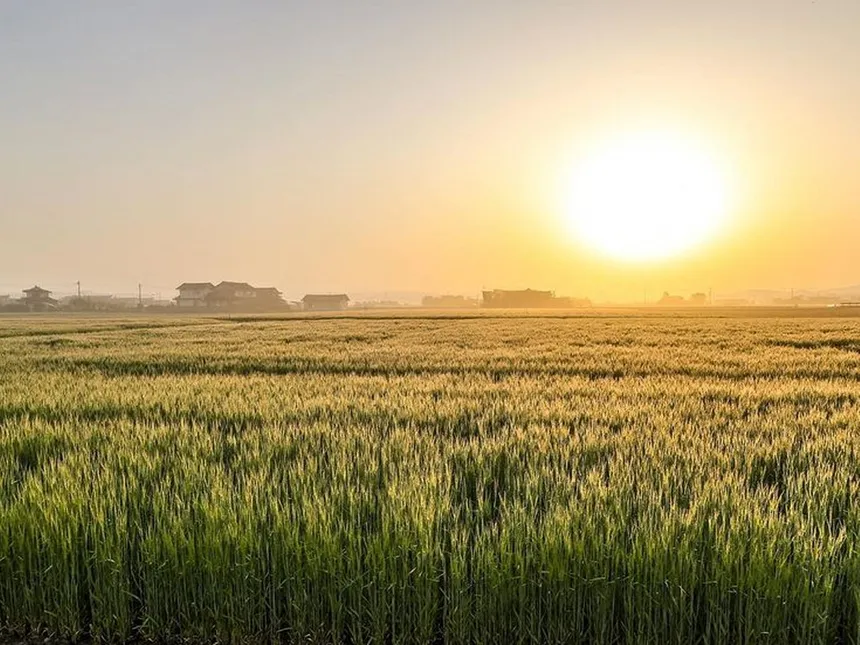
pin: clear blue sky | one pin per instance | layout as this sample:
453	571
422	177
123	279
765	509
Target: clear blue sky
405	145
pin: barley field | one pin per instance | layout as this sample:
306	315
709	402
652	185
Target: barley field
398	479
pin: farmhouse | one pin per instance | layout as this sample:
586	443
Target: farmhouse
193	294
325	302
231	294
38	299
269	298
228	295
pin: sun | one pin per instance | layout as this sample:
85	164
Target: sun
646	196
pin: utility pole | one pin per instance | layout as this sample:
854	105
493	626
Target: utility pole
139	296
79	289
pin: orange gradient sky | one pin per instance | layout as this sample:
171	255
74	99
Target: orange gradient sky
339	146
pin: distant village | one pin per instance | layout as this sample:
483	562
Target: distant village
193	296
229	296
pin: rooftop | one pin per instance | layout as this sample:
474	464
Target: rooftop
36	290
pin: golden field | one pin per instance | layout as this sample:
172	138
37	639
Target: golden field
609	477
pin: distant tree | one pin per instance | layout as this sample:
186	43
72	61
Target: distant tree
699	299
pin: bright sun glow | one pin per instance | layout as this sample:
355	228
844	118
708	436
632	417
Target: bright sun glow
646	196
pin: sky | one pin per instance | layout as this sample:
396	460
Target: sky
413	146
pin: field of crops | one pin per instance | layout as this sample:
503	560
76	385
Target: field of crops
591	479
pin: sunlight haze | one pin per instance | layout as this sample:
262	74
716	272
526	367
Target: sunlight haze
344	146
647	196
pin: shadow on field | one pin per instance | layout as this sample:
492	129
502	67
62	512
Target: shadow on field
181	366
844	344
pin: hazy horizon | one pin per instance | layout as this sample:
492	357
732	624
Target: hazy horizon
332	146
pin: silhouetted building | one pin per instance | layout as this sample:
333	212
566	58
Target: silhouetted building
671	301
231	294
193	294
379	304
269	298
236	296
500	298
449	302
325	302
38	299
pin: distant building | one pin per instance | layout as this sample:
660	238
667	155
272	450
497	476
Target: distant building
103	301
449	302
379	304
234	296
530	298
158	303
231	294
325	302
136	302
38	299
269	298
807	301
669	300
193	294
5	300
570	303
501	298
